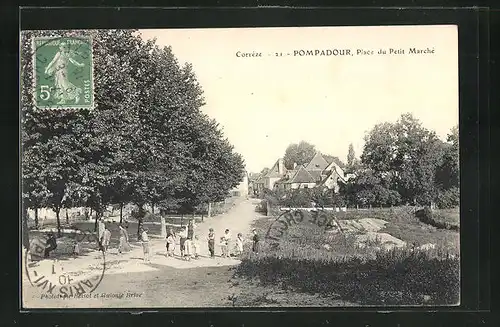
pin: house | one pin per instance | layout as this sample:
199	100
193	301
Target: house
318	172
274	174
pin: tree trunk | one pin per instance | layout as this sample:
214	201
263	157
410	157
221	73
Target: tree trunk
182	219
58	218
209	214
163	228
67	217
25	230
121	213
36	218
90	212
139	226
95	223
153	208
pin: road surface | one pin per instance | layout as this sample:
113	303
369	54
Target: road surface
165	281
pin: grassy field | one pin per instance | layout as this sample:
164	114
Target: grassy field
300	263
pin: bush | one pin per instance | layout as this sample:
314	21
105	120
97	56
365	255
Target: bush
448	199
398	277
299	261
426	216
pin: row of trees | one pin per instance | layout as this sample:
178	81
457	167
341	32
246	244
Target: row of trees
147	142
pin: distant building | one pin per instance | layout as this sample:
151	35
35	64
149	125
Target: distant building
318	172
242	188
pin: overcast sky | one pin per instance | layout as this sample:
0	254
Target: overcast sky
265	103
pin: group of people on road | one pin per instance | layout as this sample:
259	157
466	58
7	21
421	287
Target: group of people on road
189	243
104	238
188	240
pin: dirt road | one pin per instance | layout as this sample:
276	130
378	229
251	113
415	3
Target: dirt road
164	282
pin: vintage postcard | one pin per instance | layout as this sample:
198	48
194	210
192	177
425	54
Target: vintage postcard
240	167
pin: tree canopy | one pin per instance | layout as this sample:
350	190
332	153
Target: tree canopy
147	141
302	153
403	162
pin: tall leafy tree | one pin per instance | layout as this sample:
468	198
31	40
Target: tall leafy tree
406	154
299	154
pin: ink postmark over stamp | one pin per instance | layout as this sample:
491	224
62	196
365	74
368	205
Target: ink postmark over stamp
63	73
64	268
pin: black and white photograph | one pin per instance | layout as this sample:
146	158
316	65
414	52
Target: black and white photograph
240	167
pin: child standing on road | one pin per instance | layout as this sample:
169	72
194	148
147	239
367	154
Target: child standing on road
255	240
211	242
106	238
223	247
239	244
196	247
227	237
188	249
183	239
76	249
170	242
145	244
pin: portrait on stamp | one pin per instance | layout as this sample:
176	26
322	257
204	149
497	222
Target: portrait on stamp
240	167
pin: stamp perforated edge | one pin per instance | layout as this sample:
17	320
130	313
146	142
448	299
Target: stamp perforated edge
33	63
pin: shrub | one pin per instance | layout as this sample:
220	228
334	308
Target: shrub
426	216
449	198
299	261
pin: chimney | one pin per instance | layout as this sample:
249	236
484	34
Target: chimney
294	165
281	166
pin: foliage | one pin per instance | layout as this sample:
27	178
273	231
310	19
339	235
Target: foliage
448	198
299	154
147	142
404	163
398	277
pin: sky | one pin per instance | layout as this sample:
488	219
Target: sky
264	103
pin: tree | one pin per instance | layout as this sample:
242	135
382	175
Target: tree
351	156
405	154
264	171
448	174
299	154
147	142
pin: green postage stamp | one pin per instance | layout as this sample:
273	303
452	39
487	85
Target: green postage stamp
63	73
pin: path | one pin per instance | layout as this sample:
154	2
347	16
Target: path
128	272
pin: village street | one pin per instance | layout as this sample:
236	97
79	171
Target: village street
165	281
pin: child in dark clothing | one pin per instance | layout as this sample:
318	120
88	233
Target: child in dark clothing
255	240
211	242
51	245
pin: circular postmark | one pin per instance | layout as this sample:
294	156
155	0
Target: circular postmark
63	73
70	266
317	216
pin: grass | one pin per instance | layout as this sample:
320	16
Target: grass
298	262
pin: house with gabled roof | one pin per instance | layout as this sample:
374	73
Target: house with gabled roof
318	172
